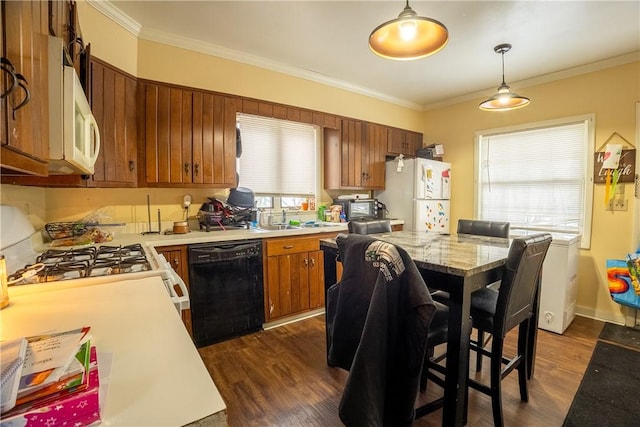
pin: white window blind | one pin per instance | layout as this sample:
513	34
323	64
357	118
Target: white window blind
278	156
537	178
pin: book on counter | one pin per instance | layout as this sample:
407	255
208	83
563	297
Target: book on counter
78	408
51	364
75	378
12	356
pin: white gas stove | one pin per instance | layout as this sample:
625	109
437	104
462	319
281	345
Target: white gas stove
80	266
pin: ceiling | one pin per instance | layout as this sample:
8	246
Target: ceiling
327	41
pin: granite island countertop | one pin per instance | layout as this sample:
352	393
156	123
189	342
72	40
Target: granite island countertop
460	255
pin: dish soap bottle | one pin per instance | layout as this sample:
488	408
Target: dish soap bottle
321	212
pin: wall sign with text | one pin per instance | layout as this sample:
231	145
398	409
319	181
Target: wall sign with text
626	167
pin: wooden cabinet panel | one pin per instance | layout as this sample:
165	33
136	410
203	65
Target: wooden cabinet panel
403	142
332	158
114	107
285	246
25	111
190	137
294	272
249	106
165	130
374	156
213	140
178	258
354	156
351	141
280	112
59	15
316	279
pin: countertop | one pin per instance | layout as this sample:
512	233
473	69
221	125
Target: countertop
157	377
201	236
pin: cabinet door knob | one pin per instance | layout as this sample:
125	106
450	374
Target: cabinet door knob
313	262
187	168
306	262
196	168
132	165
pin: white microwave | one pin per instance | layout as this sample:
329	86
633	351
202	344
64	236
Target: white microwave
74	138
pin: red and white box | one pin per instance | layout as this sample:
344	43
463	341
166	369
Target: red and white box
76	409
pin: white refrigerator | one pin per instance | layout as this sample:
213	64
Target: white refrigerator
418	193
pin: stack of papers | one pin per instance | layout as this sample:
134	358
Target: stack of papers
43	365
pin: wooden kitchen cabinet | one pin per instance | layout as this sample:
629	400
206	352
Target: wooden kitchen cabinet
113	103
294	276
189	137
403	142
178	258
354	156
59	19
24	121
374	156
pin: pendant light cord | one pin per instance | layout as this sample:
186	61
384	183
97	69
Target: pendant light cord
503	82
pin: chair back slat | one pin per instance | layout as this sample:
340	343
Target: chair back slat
483	228
369	227
520	281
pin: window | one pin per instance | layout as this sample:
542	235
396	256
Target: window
538	176
279	159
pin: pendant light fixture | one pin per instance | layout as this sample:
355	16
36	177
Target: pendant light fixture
409	36
504	100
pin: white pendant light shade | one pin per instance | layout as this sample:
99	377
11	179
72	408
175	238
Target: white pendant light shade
504	100
408	37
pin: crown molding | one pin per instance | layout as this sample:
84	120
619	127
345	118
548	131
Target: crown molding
546	78
116	15
113	13
107	8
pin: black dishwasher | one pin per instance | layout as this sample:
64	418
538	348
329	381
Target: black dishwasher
226	290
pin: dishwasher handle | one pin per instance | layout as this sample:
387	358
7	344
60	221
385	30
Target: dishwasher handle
223	252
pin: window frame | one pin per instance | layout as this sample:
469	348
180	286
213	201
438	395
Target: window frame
589	119
276	198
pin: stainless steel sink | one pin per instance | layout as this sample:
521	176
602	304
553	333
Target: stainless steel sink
278	227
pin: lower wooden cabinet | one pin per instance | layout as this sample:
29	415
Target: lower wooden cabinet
293	276
177	257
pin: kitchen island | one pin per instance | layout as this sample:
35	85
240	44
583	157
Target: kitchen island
156	376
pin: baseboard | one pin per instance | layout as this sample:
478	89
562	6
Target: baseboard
604	316
291	319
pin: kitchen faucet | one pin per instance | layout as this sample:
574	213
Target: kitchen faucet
284	216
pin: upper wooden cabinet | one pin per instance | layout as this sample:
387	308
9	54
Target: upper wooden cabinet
354	156
189	136
113	103
403	142
24	117
374	156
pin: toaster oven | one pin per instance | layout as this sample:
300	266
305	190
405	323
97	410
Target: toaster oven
358	209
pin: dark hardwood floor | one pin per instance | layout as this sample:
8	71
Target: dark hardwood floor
280	377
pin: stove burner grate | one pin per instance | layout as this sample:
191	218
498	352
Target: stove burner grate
60	255
67	270
120	251
118	265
